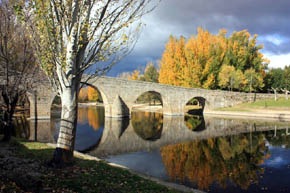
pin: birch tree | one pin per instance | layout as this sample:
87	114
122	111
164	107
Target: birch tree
77	37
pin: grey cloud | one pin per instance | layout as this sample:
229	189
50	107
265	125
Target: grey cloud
182	17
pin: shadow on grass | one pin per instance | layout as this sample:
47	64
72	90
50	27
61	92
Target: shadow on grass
82	176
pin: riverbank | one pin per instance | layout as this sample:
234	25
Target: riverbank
269	114
279	110
90	104
23	169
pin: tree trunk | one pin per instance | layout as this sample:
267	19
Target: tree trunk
66	139
8	115
8	127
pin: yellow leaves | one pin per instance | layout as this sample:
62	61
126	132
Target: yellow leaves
210	82
198	61
135	75
93	94
231	78
124	37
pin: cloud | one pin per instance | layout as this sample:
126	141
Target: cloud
267	18
278	61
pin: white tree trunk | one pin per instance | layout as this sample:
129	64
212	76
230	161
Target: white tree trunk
68	124
275	92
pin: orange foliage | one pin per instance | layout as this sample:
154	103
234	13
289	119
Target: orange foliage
204	162
82	116
93	94
91	115
93	118
135	75
197	62
83	94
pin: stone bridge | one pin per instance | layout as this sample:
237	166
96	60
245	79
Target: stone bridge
119	96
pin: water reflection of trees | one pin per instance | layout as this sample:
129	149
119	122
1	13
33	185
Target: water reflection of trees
194	122
203	162
92	115
279	137
147	125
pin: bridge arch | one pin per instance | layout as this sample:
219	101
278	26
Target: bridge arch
149	100
194	123
195	105
148	126
106	104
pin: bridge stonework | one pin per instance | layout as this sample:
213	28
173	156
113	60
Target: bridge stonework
119	96
116	91
40	102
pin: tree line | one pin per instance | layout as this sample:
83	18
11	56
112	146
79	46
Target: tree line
218	61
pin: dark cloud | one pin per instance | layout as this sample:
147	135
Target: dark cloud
263	17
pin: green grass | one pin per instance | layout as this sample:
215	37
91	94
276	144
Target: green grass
84	176
269	104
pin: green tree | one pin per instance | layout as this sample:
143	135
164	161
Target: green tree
151	74
254	80
231	78
286	78
73	36
276	80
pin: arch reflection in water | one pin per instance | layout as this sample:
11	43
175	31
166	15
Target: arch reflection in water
194	122
89	128
217	160
147	125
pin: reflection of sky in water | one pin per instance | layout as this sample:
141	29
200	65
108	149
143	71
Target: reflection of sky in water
149	163
279	157
86	136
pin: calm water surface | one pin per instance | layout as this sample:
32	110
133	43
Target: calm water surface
209	153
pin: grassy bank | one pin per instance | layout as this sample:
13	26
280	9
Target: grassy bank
280	105
23	169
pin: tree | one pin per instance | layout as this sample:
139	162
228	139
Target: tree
83	94
151	73
231	78
286	78
254	79
71	37
168	71
198	61
94	95
135	75
18	71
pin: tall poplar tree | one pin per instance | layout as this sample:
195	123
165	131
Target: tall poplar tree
77	37
198	62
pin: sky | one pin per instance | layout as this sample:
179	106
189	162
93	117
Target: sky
269	19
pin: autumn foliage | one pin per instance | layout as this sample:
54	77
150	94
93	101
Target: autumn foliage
217	160
92	116
203	60
89	94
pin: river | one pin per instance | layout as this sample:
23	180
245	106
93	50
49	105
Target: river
213	154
